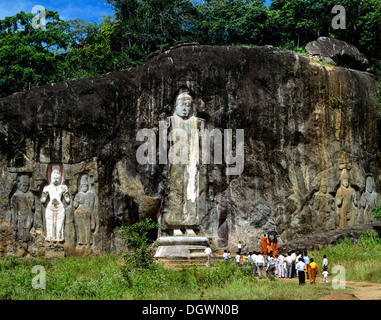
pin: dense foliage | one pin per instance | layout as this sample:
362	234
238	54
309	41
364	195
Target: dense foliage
78	49
104	277
139	244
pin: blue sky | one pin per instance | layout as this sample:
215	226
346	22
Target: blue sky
90	10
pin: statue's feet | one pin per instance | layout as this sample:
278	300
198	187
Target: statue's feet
190	232
177	233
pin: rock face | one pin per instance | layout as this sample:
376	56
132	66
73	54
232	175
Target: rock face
323	238
311	152
338	52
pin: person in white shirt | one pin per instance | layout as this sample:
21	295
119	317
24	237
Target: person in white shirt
288	266
237	258
301	266
325	276
208	253
239	247
325	263
270	267
254	258
281	266
260	261
296	261
293	262
225	255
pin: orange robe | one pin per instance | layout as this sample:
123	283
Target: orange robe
263	245
268	243
275	248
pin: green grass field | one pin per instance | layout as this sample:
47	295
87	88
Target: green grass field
103	278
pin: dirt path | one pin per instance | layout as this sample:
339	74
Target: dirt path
365	290
360	290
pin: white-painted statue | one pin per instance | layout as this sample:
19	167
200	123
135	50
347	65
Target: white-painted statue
55	210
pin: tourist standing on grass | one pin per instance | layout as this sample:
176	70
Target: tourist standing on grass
237	258
260	263
293	262
325	263
325	276
307	262
300	267
239	246
314	271
254	258
208	253
281	266
249	259
270	269
288	262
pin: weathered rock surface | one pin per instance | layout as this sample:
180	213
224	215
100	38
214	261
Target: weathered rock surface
303	125
324	238
339	52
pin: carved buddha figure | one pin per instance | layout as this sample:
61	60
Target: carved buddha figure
183	171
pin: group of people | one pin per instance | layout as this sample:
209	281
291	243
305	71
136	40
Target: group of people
280	264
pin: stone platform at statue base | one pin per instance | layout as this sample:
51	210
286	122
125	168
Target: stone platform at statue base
180	247
56	252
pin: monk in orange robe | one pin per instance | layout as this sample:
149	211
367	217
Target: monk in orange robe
268	245
263	244
275	246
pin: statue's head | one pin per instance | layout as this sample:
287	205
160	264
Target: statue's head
23	183
323	188
345	178
56	177
84	184
183	106
369	187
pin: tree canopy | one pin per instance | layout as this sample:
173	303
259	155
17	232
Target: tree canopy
77	48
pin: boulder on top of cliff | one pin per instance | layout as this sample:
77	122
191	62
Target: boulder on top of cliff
341	52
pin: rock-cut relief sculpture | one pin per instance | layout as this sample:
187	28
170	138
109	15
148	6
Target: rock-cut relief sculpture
22	209
56	192
346	202
84	215
369	198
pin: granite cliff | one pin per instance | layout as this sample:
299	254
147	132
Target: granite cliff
311	150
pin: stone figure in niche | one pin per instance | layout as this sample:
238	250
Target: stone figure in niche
346	202
84	218
184	176
22	208
55	210
368	199
323	208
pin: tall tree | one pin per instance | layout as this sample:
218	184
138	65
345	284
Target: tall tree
154	24
28	56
